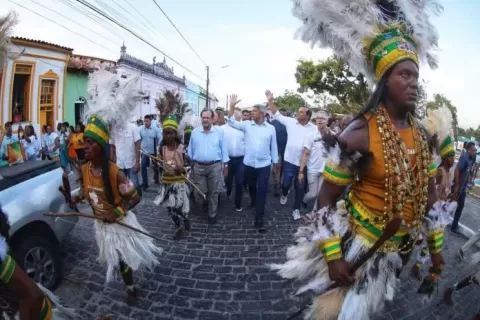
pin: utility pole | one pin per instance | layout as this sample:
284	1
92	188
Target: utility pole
208	84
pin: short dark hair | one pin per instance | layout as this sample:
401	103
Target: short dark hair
309	113
66	124
209	110
470	145
147	116
282	110
245	111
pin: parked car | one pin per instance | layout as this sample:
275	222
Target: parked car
27	191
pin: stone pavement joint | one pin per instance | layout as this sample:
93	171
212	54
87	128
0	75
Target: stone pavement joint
219	272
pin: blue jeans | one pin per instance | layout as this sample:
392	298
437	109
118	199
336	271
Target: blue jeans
132	176
461	204
290	173
145	164
257	187
236	169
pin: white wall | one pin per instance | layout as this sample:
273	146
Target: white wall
153	84
42	65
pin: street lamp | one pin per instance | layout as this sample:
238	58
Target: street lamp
208	81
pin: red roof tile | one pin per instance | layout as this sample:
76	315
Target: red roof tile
42	42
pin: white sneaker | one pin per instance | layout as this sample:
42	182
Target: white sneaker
283	199
296	214
239	209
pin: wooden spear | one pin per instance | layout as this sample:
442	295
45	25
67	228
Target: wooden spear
186	179
85	215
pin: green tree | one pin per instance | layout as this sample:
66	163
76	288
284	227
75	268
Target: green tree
290	100
440	100
334	77
421	108
470	132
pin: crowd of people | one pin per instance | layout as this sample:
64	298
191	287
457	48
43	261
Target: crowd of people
379	182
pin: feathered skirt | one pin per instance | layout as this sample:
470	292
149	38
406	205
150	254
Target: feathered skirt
375	280
175	198
55	312
117	243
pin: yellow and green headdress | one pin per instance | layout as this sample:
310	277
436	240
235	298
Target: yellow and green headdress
96	129
371	36
170	122
391	46
188	129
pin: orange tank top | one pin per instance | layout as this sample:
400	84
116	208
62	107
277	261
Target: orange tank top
94	190
371	189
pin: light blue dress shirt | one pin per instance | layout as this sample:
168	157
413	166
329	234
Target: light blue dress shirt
147	135
261	143
208	146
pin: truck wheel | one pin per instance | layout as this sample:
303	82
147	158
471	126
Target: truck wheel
40	259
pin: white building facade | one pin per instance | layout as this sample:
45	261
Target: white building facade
155	78
32	89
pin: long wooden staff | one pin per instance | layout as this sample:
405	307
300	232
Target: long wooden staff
186	179
85	215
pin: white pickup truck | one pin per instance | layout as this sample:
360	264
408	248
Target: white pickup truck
27	191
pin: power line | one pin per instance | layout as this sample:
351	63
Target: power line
95	32
91	16
59	25
155	29
103	14
173	24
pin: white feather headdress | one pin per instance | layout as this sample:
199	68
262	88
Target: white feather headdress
344	25
439	124
112	98
6	27
188	120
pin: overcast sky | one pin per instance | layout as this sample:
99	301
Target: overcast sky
255	38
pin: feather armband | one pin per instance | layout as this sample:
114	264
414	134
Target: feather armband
7	268
432	170
435	221
331	248
343	167
119	212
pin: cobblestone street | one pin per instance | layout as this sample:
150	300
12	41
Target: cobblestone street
218	272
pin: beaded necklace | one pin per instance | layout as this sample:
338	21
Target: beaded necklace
404	182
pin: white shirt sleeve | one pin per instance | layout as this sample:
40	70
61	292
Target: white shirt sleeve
308	141
136	134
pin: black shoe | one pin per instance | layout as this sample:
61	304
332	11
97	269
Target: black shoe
252	205
212	220
131	296
276	192
455	230
260	226
304	205
229	193
205	206
144	187
157	182
186	222
178	234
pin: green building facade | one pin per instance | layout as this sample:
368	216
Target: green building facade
75	95
79	67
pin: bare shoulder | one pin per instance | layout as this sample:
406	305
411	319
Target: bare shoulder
355	136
